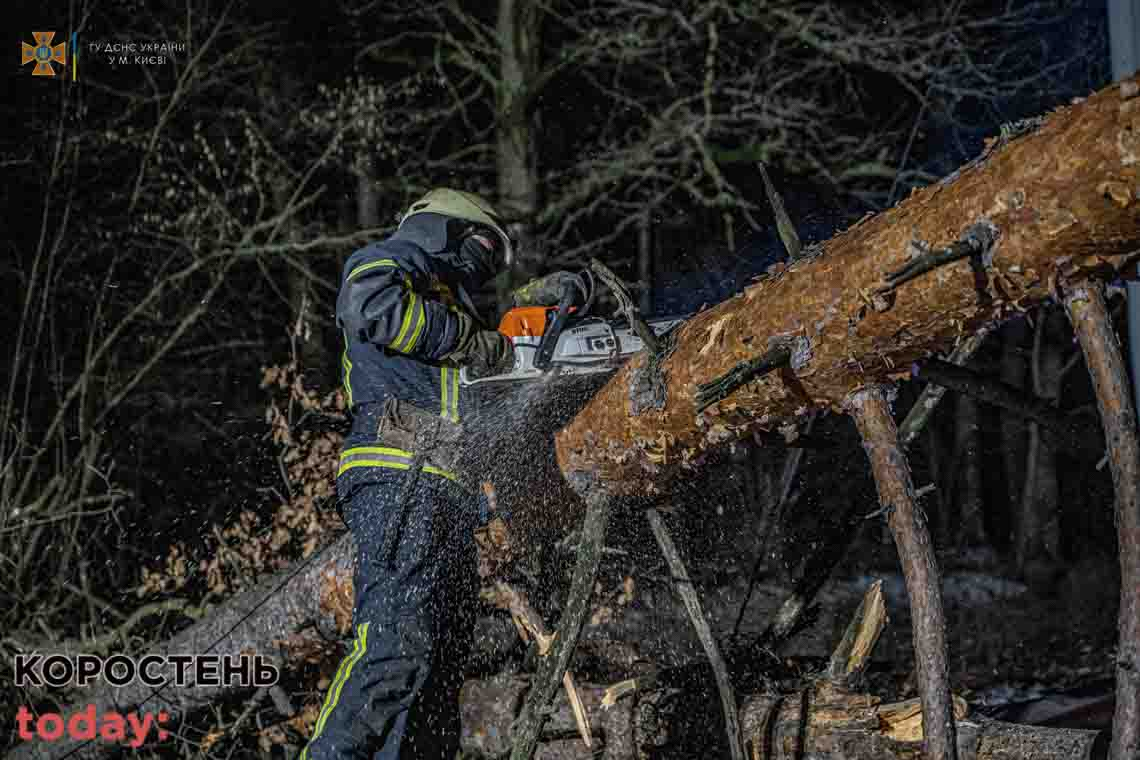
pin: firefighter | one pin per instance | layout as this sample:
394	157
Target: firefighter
409	327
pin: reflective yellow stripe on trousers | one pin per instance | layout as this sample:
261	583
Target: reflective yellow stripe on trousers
359	647
383	456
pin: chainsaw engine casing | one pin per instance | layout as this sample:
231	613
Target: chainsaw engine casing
590	346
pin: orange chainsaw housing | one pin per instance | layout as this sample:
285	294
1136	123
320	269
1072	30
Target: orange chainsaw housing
524	322
528	321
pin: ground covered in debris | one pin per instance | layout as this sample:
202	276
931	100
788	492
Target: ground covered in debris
1009	641
1034	647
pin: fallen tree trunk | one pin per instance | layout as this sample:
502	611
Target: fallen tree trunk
263	620
1060	198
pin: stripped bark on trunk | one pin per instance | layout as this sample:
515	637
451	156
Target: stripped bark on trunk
1059	195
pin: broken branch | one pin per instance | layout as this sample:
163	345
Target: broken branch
688	595
784	226
851	657
627	306
927	402
976	243
534	713
994	391
780	355
531	625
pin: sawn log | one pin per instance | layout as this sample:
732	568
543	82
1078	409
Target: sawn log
1060	198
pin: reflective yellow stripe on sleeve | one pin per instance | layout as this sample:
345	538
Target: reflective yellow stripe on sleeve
420	319
346	363
455	395
370	265
409	309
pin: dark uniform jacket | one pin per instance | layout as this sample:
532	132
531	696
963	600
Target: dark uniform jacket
398	308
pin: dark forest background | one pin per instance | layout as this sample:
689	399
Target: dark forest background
173	233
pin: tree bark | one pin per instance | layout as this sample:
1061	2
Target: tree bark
923	583
1053	196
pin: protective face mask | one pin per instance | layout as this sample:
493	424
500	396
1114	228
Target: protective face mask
478	257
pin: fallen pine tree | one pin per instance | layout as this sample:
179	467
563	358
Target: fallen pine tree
1049	210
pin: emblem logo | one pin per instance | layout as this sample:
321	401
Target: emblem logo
44	54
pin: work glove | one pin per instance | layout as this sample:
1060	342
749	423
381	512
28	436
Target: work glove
484	353
547	290
490	353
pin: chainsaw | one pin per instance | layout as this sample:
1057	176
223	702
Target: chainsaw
565	339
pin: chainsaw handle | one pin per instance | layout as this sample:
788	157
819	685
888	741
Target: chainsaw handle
589	290
562	317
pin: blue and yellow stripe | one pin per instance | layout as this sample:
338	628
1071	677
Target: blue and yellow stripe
359	647
384	456
362	268
408	336
346	365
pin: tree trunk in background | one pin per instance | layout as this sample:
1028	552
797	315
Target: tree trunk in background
367	198
970	496
645	263
1015	336
943	495
519	27
1038	534
1052	195
1048	478
305	328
